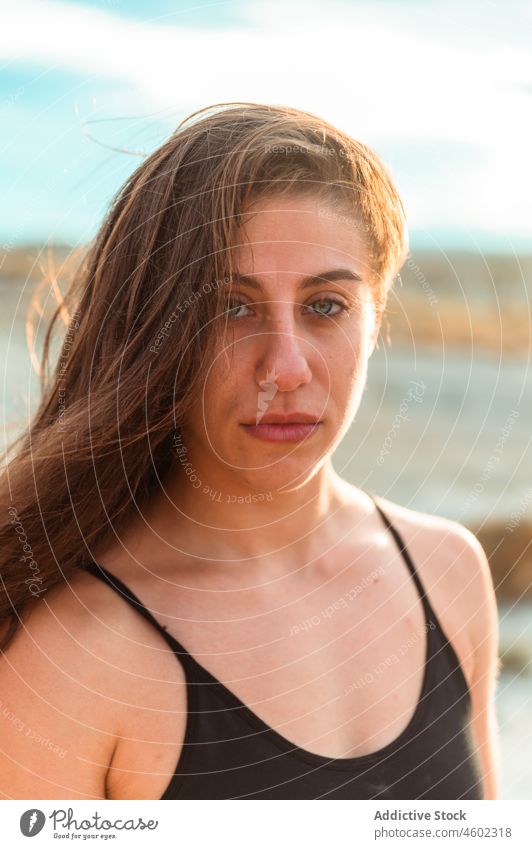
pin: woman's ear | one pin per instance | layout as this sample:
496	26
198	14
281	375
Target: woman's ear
373	341
374	335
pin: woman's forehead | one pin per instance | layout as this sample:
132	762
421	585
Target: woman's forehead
298	237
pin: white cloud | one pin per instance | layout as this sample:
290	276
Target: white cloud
381	71
365	64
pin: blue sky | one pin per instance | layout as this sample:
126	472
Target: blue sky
442	91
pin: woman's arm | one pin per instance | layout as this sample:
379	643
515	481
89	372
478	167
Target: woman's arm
485	644
457	577
57	715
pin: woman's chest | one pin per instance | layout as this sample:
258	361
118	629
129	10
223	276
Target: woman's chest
337	673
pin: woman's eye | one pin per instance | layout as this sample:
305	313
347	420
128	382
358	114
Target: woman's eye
324	308
328	301
232	309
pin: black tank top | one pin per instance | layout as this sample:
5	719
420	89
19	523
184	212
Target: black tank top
230	753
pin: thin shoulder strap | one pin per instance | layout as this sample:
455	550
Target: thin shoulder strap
118	585
407	558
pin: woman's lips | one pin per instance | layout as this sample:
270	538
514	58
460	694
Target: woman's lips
292	432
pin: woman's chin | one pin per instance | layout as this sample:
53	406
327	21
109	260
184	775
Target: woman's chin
279	479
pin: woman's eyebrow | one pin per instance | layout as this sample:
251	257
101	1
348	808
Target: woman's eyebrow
307	282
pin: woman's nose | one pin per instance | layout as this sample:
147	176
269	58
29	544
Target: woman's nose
285	359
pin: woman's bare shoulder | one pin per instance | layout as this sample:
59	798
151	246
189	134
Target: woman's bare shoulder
66	691
444	545
455	573
78	615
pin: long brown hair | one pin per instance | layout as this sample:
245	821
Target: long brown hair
142	326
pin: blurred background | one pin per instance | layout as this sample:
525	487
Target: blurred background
443	92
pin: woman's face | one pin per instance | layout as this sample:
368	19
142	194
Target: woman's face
301	327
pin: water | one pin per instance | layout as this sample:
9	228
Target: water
443	433
514	699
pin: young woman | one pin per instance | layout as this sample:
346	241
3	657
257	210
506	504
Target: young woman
195	604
